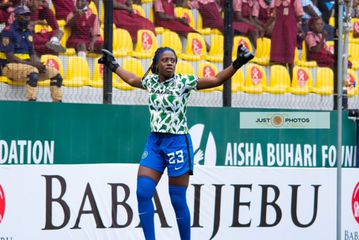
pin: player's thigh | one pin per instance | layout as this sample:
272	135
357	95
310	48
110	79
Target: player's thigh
179	155
179	181
148	172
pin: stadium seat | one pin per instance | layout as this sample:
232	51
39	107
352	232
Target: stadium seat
69	51
16	83
332	21
255	80
61	23
354	55
146	44
263	51
352	39
354	52
324	84
78	72
196	48
353	80
93	8
186	13
216	52
205	31
302	82
138	9
331	46
102	12
4	79
302	61
237	40
132	65
39	28
279	80
207	69
238	81
97	77
159	30
172	40
122	44
200	29
185	67
54	61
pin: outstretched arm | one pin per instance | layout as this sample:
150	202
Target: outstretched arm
243	56
109	61
129	77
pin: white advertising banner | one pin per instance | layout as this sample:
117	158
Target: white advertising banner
99	202
350	204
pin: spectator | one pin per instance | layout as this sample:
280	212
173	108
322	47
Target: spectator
85	30
284	36
311	10
318	50
7	8
4	14
18	59
243	13
264	16
210	11
64	7
46	42
125	17
165	17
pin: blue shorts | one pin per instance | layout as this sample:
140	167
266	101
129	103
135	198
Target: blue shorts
173	151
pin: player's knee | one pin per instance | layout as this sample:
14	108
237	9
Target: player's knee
178	195
56	81
33	79
146	188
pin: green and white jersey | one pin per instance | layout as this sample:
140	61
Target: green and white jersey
168	102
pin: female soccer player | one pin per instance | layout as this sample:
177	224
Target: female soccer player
169	144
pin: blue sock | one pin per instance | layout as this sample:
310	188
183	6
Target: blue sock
146	188
179	203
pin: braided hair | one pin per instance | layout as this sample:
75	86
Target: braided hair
156	58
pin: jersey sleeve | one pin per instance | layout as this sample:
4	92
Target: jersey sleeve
191	82
6	42
145	82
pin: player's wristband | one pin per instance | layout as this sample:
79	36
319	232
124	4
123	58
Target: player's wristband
237	64
113	66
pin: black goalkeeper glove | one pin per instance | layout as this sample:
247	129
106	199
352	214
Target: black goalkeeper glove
108	60
243	56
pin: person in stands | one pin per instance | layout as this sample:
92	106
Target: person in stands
243	11
18	60
264	16
45	41
64	7
126	18
165	17
85	30
288	14
318	50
